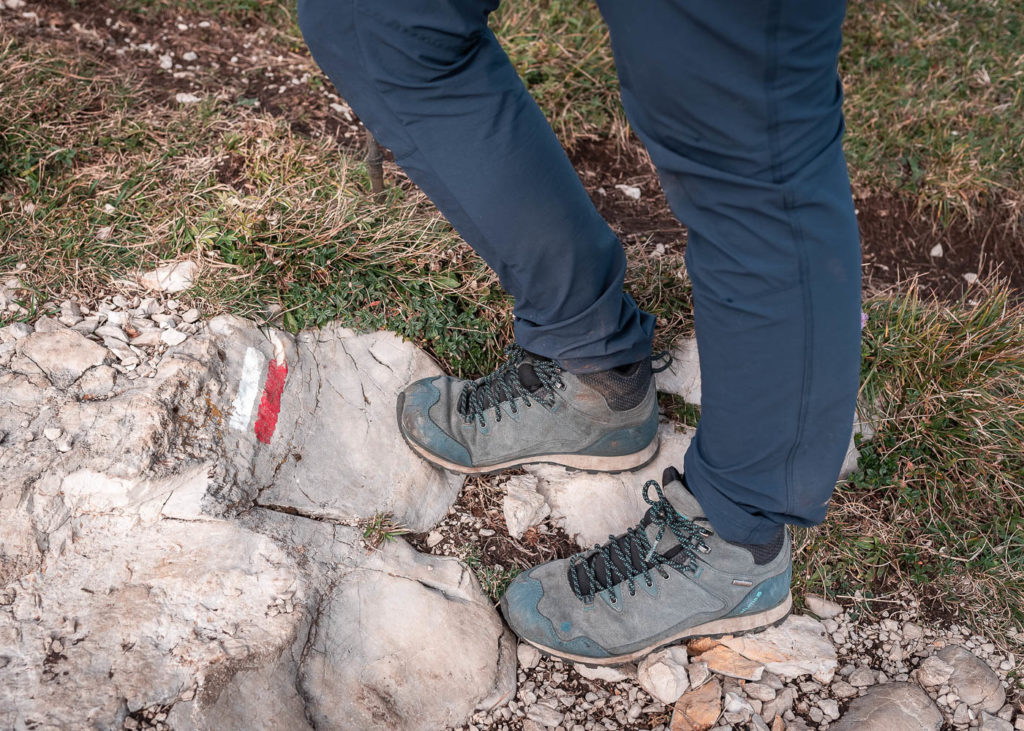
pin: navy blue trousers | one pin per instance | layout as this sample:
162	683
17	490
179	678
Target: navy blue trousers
739	104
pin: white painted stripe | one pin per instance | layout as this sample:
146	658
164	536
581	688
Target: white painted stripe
248	389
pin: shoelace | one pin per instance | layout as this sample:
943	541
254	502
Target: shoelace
636	553
505	385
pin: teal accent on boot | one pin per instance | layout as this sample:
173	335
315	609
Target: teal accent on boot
668	579
531	410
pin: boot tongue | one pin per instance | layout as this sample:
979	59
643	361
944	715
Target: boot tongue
528	377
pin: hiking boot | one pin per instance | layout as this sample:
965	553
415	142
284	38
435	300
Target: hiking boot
531	410
668	579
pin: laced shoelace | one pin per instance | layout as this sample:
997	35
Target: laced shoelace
504	385
635	543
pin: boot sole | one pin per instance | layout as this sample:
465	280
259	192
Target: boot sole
735	626
585	463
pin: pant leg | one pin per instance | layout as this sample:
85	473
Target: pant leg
739	103
432	83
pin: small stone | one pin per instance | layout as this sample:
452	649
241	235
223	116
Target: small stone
934	671
816	714
970	277
52	433
173	277
796	647
607	674
63	443
699	709
841	689
112	332
173	337
544	713
433	538
16	331
189	56
190	316
87	326
183	97
630	191
912	631
994	723
528	655
962	715
822	607
663	674
759	691
974	681
166	61
830	708
862	677
936	251
522	505
724	661
890	707
698	673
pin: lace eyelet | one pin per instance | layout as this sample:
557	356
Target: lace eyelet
650	584
561	385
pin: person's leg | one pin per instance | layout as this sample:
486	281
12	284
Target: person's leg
432	84
739	105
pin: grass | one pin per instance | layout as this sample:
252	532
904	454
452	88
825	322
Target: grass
100	178
937	505
381	529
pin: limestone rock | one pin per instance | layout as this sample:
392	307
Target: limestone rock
725	661
663	674
590	507
172	277
799	646
97	382
607	674
683	376
522	505
63	355
528	655
891	707
993	723
821	607
698	710
934	671
974	681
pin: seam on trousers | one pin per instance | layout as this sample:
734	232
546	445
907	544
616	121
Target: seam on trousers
771	76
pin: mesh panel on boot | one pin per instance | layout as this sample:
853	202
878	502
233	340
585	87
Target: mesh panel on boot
622	389
765	552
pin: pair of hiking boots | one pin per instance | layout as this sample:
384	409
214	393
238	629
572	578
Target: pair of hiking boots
667	579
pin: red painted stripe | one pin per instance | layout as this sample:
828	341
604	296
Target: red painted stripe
270	403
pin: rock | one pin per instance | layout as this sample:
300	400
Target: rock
933	671
841	689
590	507
528	655
175	276
862	677
962	715
173	337
70	313
52	433
830	708
183	97
190	315
663	674
544	713
97	382
522	505
798	646
698	673
630	191
725	661
63	356
782	703
88	325
699	709
111	332
912	631
759	691
682	378
973	680
15	331
337	414
891	707
607	674
993	723
434	538
821	607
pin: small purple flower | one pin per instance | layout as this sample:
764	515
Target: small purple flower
863	319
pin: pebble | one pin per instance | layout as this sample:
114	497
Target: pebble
173	337
528	655
52	433
862	677
823	608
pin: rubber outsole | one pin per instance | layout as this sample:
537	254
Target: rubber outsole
735	626
584	463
